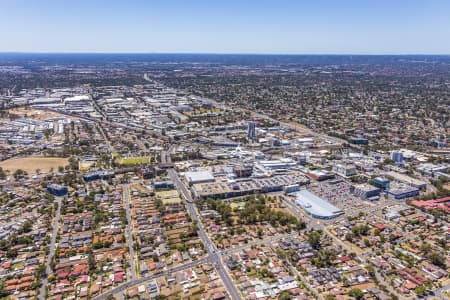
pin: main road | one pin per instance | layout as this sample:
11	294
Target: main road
51	252
210	247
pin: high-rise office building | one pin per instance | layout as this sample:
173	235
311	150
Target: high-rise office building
397	157
251	130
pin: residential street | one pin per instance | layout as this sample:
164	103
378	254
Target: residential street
126	198
52	247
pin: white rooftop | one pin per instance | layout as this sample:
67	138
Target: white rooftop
199	176
315	205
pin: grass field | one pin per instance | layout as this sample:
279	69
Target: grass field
32	163
238	205
167	201
33	113
85	166
167	194
132	161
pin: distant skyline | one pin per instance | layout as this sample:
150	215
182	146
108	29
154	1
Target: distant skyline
222	27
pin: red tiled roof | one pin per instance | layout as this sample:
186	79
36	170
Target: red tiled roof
118	277
380	226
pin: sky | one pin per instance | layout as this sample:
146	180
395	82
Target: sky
226	26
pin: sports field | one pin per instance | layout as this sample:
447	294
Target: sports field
32	163
131	161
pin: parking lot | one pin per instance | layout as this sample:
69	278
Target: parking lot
337	192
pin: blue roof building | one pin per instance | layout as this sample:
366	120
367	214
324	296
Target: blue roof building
167	184
91	176
359	141
403	192
382	183
57	190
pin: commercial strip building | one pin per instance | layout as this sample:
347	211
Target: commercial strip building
236	188
316	206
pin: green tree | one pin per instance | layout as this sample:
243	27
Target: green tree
11	253
420	290
437	259
314	239
284	296
47	133
324	258
356	293
40	271
3	293
19	173
27	226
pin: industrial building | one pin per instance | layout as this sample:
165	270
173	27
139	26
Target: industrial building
316	206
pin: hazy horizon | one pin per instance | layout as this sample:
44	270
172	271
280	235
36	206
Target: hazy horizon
218	53
266	27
